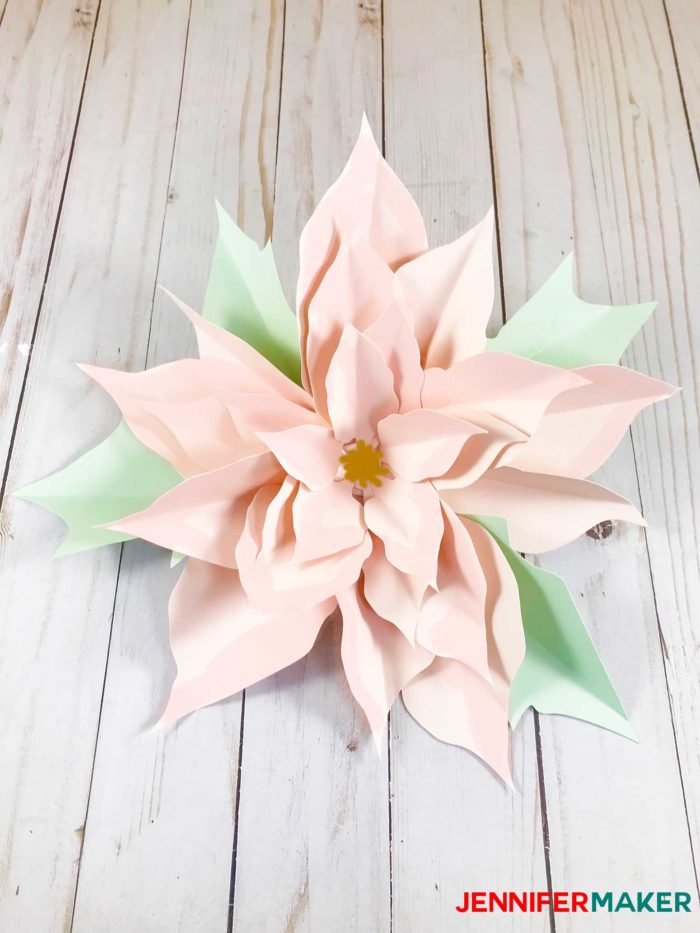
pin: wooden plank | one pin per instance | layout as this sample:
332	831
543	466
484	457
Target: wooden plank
455	825
592	154
162	808
684	23
44	51
55	625
313	835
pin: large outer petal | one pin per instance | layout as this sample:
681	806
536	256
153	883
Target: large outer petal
356	290
449	294
543	512
221	645
368	199
423	444
408	519
511	388
458	706
219	344
274	579
360	388
203	516
582	427
167	408
377	659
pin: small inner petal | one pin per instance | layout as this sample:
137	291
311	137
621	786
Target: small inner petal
362	464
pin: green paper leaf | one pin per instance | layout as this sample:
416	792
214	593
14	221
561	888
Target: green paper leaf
555	326
114	479
245	297
561	672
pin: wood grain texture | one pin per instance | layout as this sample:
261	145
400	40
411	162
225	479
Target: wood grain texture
56	618
684	23
44	51
575	124
313	835
455	826
162	806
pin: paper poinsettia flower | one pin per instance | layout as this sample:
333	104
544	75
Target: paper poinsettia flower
382	457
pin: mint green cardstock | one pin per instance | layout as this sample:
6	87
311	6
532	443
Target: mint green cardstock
245	297
561	672
556	327
118	477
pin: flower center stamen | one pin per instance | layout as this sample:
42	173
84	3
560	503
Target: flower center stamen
362	464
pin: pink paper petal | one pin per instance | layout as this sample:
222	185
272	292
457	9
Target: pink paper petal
326	521
221	645
504	625
377	659
511	388
449	292
360	388
203	516
458	706
393	595
408	519
277	536
308	452
452	621
216	343
543	512
391	334
278	581
423	444
367	199
582	427
482	451
356	290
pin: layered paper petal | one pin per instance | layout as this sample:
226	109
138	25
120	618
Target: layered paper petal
221	645
408	519
483	451
377	659
504	624
393	595
583	426
274	579
423	444
542	512
203	516
360	388
391	334
367	199
308	452
326	521
458	706
452	621
357	290
513	389
219	344
449	293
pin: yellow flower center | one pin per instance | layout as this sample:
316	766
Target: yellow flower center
363	464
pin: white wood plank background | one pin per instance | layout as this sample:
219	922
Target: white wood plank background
120	122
